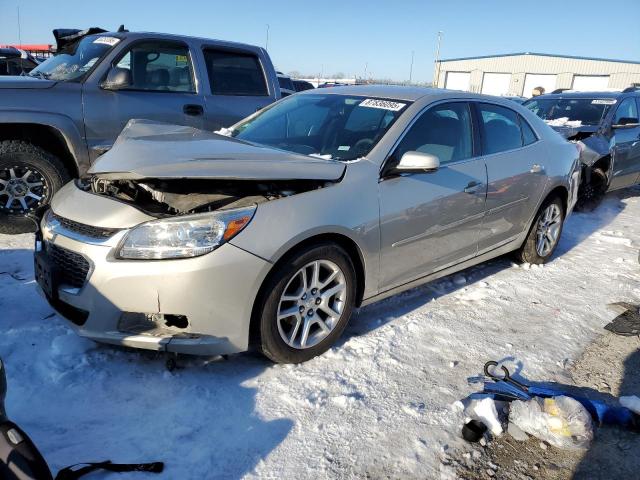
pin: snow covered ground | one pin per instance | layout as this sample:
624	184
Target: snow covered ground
378	404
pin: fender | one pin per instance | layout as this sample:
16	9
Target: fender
63	124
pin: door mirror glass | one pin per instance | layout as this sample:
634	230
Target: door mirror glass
117	79
626	122
413	161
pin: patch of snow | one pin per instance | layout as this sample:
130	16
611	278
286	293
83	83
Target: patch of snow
632	402
563	122
226	132
378	404
319	155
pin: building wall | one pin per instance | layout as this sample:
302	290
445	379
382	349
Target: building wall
621	74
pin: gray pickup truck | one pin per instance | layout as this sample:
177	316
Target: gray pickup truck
55	121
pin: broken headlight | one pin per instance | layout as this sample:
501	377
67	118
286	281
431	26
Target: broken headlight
183	237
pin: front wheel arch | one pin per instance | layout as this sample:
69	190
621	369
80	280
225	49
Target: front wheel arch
352	249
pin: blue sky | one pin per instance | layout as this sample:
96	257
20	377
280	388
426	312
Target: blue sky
333	36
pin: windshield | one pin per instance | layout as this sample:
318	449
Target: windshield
339	127
73	65
587	111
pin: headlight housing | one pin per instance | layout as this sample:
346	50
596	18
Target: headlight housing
183	237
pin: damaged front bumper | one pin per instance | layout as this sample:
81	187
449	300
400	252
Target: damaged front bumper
198	305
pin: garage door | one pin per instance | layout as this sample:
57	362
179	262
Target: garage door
458	81
590	83
533	80
496	83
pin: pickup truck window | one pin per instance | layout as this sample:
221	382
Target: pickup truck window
159	66
235	73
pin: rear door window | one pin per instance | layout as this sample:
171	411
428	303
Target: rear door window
235	73
159	66
500	129
528	135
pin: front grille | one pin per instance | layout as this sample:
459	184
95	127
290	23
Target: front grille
83	229
74	314
72	268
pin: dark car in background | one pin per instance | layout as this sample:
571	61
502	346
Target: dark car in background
286	84
16	62
606	128
302	85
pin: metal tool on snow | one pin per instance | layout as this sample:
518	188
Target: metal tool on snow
507	388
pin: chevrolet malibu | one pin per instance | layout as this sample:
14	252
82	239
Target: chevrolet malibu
271	232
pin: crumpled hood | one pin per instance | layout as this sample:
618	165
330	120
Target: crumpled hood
147	149
25	82
568	132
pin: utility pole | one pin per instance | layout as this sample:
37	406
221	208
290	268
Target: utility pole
436	73
19	32
411	67
266	45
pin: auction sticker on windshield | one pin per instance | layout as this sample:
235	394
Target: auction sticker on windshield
383	104
604	101
111	41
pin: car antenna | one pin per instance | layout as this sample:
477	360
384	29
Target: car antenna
122	29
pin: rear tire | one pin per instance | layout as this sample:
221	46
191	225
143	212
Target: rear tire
29	176
282	335
545	233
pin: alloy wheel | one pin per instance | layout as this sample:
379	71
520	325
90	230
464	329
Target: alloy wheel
548	230
311	304
22	189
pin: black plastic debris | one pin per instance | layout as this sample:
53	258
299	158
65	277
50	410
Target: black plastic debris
473	431
627	323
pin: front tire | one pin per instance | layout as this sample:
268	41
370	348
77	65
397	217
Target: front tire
29	176
544	234
591	194
307	303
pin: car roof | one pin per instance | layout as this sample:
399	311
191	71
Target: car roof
587	95
396	92
10	51
171	36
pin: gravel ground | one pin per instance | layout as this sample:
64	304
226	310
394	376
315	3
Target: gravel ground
611	365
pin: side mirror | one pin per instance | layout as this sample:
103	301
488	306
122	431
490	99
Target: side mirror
418	162
626	122
117	79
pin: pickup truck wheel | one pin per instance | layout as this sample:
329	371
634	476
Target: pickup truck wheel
307	304
29	176
544	234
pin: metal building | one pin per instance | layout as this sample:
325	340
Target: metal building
520	73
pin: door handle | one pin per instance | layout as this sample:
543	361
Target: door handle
472	187
193	109
536	168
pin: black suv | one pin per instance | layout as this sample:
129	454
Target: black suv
606	128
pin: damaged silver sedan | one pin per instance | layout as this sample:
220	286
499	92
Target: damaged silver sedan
270	233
